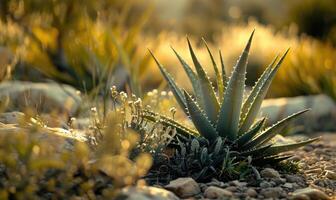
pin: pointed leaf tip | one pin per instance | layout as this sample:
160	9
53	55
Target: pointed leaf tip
248	45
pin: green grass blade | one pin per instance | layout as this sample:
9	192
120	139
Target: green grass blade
175	89
228	120
193	79
211	105
269	133
276	149
245	138
258	97
219	79
201	122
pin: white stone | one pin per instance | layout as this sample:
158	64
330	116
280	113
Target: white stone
145	193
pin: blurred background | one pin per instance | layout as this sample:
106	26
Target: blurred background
92	45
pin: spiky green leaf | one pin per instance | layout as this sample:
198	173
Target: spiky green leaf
219	79
201	122
211	105
276	149
246	137
258	97
272	131
228	120
255	90
192	77
270	159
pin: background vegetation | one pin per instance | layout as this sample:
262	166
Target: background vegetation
88	43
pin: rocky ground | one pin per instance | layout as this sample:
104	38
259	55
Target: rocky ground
316	180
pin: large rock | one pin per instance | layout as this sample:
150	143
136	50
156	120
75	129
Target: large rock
44	97
321	117
59	139
145	193
11	117
309	194
184	187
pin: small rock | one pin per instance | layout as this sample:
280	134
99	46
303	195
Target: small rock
265	184
238	183
251	192
231	188
309	194
145	193
272	192
217	183
213	192
294	178
269	173
331	175
279	181
308	148
296	186
288	185
184	187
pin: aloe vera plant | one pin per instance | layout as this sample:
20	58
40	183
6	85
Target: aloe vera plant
224	119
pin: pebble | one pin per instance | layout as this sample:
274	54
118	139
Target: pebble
265	184
294	178
279	181
231	188
184	187
251	192
308	148
269	173
331	175
238	183
213	192
288	185
145	193
275	192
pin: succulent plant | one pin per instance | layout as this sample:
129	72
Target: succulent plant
225	121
